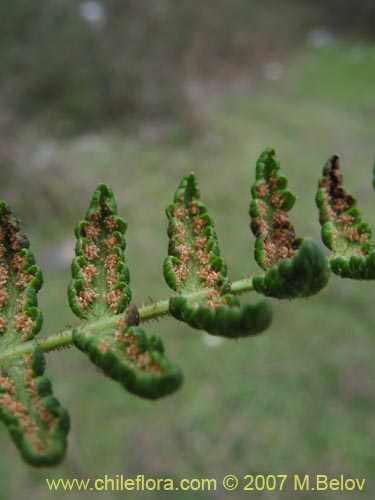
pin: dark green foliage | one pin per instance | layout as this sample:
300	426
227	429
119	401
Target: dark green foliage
35	419
294	267
229	319
343	231
196	271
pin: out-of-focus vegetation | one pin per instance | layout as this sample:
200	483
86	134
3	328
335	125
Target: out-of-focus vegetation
300	397
84	65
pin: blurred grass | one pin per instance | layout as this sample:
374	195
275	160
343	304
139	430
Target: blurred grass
298	399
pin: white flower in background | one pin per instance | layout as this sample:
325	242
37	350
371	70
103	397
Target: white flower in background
320	38
92	12
212	341
273	71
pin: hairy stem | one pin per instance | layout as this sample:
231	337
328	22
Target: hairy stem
156	310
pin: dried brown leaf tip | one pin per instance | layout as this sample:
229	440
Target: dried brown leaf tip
343	230
20	279
100	275
193	261
270	222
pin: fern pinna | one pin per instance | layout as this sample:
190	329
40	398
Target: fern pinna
203	295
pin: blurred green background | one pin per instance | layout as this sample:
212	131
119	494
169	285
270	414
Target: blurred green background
136	94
